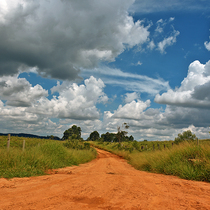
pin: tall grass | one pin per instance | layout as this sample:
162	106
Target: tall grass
38	157
187	161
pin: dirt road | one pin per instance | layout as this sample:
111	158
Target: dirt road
107	183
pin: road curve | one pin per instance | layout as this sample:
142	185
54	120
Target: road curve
106	183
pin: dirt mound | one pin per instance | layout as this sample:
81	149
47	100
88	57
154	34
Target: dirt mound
108	183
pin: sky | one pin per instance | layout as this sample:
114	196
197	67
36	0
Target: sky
99	64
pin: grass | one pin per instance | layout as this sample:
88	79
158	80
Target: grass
186	160
38	157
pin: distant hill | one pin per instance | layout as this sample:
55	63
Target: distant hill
30	136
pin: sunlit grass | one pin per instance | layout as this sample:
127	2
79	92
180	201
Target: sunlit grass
38	157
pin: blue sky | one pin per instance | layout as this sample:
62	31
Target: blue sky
99	64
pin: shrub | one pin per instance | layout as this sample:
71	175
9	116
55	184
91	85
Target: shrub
185	136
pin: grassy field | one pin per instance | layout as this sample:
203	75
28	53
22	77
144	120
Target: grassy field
38	156
186	160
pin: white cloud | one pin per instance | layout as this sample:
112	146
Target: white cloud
194	89
77	104
19	92
131	96
129	81
28	107
58	38
169	41
207	45
132	110
171	19
160	25
139	63
151	45
74	101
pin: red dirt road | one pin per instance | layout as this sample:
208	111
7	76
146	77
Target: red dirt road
107	183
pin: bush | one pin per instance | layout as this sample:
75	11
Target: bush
185	136
76	144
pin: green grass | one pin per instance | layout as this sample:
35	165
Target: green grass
38	157
186	160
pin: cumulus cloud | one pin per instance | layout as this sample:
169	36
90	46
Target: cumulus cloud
74	101
58	38
158	124
131	96
132	110
19	92
30	108
194	89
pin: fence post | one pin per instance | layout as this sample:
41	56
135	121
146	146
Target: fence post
8	142
24	143
172	144
164	146
197	141
158	146
153	147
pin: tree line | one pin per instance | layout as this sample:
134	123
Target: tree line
75	133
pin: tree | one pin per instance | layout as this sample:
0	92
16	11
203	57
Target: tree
94	136
120	132
185	136
73	132
108	137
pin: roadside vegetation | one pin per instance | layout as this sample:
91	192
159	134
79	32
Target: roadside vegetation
40	155
183	157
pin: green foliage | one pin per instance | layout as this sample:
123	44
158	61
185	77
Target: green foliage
94	136
109	137
73	131
121	134
76	144
113	137
185	136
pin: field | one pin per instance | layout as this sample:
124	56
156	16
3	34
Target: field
186	160
39	156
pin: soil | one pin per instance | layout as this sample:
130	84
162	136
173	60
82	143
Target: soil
106	183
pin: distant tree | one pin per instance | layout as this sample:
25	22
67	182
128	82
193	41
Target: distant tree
74	132
108	137
120	132
94	136
131	138
185	136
